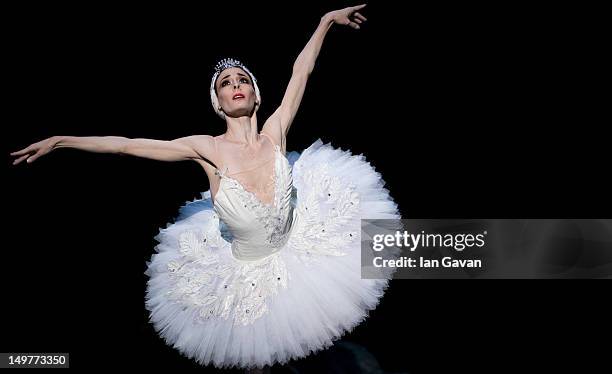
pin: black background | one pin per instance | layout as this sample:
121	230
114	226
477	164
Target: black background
466	110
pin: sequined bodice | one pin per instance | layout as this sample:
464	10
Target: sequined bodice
258	229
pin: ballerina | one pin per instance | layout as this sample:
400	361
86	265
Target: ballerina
265	267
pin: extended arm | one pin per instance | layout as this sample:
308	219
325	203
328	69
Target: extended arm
187	148
303	66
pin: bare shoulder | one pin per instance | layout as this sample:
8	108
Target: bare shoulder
204	147
202	144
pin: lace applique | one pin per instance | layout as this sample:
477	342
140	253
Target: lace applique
237	290
329	215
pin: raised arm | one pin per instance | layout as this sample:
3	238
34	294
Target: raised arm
187	148
280	121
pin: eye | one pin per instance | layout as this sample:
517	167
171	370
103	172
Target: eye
244	80
224	83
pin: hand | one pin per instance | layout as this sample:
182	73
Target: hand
348	16
34	151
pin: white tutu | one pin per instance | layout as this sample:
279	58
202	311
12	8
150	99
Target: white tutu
227	312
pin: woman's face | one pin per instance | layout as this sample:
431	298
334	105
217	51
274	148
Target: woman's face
235	92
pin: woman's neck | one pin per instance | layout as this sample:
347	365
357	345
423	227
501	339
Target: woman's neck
242	130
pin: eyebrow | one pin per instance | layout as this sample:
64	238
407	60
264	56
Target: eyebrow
236	73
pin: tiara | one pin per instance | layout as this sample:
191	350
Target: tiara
227	63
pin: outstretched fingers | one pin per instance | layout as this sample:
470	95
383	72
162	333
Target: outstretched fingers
24	154
356	18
